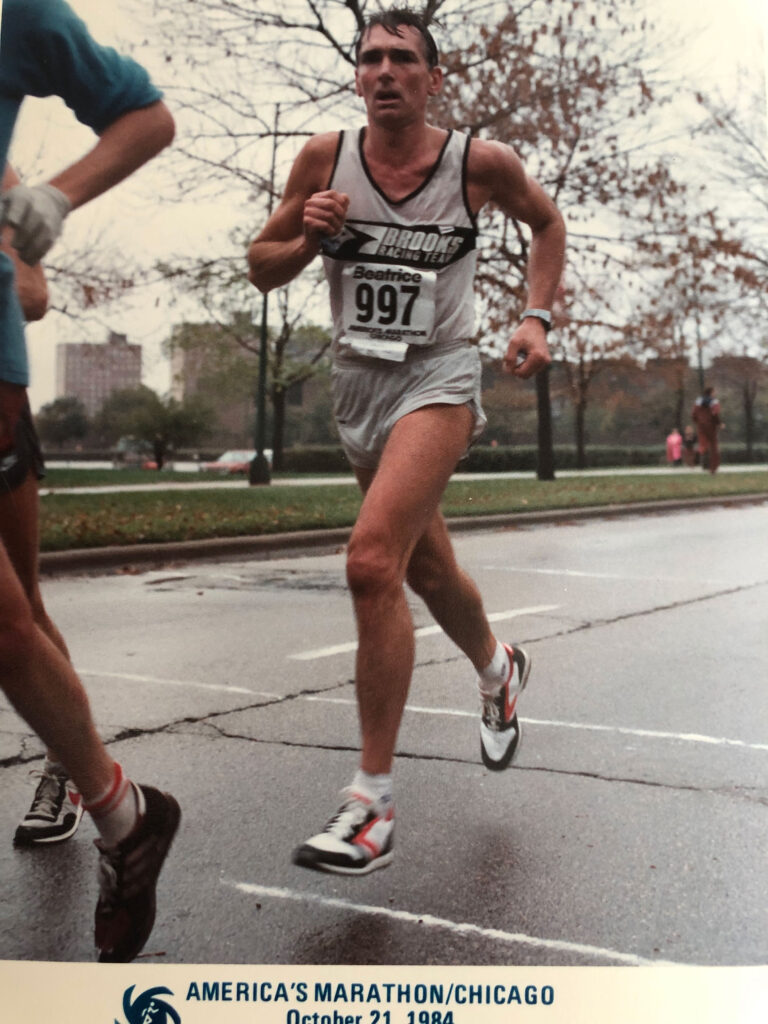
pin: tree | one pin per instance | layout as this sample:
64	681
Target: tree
230	340
573	87
61	421
743	375
164	424
568	86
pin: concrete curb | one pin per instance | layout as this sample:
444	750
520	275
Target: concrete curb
126	558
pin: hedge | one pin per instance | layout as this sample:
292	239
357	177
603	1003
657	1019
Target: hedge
487	459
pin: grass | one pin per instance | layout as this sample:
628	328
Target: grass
97	520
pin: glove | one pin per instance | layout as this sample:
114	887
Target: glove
37	213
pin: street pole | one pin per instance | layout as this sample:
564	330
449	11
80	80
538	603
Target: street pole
259	471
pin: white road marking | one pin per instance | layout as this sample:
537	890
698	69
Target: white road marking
687	737
130	677
456	928
579	574
327	652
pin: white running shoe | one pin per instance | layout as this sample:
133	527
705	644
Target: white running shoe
357	839
56	810
499	727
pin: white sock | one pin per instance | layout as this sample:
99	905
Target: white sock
117	810
495	673
53	767
377	787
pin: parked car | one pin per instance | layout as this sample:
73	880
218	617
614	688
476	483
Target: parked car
234	462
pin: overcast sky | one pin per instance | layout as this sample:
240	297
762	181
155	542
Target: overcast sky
721	37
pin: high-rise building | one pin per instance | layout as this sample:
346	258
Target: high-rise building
226	384
92	371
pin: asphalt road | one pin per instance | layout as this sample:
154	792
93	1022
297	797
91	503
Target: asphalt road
633	827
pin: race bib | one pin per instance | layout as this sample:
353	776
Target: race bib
386	309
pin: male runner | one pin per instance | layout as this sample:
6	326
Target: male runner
393	210
46	50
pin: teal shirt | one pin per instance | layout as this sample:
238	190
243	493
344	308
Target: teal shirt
46	50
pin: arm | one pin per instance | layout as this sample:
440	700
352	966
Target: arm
124	146
307	212
37	214
496	174
30	281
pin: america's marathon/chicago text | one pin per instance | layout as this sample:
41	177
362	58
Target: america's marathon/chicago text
379	993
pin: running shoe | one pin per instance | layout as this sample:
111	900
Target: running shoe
357	839
56	810
499	726
128	876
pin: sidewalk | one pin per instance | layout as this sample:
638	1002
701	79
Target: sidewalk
316	481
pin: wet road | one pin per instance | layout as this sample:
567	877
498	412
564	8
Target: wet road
632	829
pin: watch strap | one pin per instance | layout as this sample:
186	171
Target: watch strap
539	314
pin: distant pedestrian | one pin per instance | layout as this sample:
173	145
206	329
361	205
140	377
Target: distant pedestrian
689	446
706	416
675	447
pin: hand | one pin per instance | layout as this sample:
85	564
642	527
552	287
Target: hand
527	352
37	215
324	214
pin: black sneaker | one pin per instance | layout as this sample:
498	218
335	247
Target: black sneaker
499	728
356	840
56	810
128	875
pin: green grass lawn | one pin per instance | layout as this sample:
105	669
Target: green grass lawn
96	520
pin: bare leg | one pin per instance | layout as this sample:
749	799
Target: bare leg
450	594
43	687
401	500
19	533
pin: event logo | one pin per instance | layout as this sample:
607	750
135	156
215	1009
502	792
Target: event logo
148	1009
423	246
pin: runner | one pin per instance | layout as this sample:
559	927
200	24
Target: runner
393	209
46	50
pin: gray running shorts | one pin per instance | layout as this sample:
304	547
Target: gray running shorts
371	395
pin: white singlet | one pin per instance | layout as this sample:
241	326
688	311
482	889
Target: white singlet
401	273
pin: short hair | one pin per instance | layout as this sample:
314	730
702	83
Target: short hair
392	20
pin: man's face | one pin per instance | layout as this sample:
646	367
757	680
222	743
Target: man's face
393	76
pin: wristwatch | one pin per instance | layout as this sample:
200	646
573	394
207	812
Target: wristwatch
540	314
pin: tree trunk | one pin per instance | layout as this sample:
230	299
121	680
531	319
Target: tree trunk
679	406
581	453
278	427
545	469
749	391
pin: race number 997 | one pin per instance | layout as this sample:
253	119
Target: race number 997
386	303
390	305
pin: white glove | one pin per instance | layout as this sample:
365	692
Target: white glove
37	213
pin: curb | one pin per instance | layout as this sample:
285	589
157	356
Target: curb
127	558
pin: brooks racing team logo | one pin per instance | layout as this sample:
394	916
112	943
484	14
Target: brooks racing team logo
147	1008
422	246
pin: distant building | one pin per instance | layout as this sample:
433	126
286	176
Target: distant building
92	371
198	371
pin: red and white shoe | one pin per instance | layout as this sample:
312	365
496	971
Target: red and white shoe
358	838
499	726
55	813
